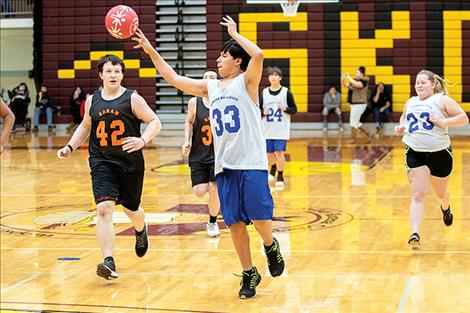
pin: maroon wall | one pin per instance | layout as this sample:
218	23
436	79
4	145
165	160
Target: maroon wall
73	28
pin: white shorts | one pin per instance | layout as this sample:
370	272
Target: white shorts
355	114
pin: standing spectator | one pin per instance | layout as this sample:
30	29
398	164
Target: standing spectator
332	104
380	107
8	122
43	104
359	100
76	100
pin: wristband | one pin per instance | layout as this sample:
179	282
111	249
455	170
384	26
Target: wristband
143	140
70	147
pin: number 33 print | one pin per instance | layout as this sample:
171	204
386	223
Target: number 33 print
228	121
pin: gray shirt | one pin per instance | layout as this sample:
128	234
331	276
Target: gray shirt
331	103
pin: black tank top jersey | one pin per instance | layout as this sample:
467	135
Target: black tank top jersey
111	122
202	148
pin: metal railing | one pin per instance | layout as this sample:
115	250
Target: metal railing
16	8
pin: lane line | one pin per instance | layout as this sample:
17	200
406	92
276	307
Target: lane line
232	250
405	295
7	194
21	282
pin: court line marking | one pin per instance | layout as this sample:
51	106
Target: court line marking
106	307
231	251
180	195
405	295
21	282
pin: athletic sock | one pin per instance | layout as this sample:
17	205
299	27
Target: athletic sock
212	219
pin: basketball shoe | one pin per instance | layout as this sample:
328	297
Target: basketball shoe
414	241
212	230
141	242
248	283
447	216
275	260
107	269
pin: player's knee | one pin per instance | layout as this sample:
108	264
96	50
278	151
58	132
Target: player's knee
419	196
200	190
105	209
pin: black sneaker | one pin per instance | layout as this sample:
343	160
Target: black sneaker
414	241
447	216
141	242
248	284
107	270
275	260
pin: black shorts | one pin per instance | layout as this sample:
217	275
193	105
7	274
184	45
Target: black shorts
202	173
109	182
439	162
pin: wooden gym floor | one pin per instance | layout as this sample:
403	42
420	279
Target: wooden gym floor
342	222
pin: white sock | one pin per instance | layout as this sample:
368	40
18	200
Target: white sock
416	215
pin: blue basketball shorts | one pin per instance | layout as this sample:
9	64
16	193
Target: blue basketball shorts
273	145
244	196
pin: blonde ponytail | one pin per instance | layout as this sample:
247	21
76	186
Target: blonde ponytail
440	84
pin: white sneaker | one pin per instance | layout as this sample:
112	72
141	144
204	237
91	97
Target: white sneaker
271	177
213	230
279	186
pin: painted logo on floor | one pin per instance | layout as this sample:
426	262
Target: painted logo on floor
180	220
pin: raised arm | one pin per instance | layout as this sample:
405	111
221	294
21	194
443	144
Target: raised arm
355	83
80	135
8	122
196	87
188	126
254	70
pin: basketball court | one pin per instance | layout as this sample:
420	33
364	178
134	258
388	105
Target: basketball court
342	222
342	218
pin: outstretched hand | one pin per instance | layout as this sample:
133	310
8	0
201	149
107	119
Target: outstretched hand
142	41
230	24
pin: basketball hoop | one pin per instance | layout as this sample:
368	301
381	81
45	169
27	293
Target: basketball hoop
290	7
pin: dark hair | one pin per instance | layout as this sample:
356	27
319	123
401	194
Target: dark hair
332	86
362	69
114	59
236	51
24	84
274	69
